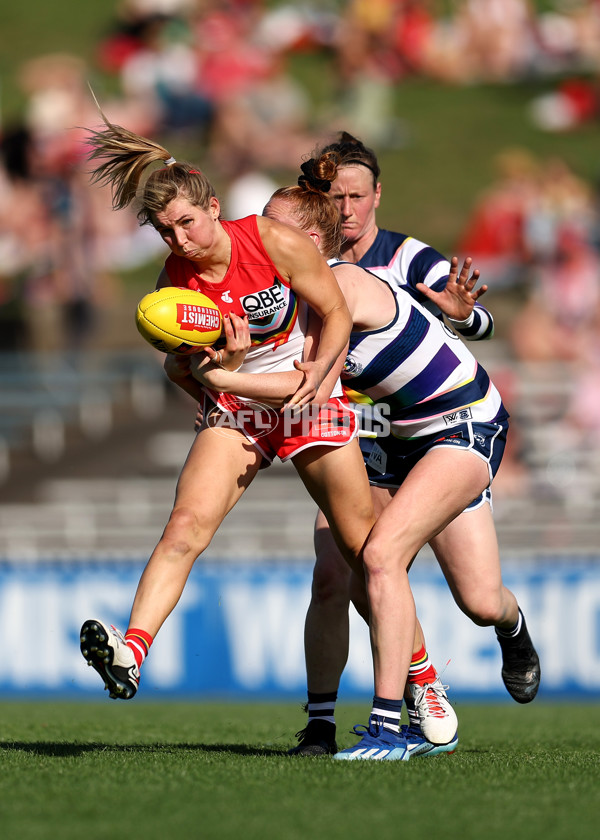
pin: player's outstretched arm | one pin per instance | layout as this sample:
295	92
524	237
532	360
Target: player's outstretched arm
272	388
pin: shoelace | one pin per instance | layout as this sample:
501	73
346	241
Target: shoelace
300	734
360	729
430	694
375	730
412	733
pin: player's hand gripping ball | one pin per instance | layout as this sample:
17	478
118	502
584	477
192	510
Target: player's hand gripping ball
176	320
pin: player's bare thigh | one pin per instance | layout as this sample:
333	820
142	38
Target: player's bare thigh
436	490
331	572
220	465
336	479
380	497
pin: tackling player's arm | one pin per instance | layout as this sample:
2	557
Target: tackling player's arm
272	388
311	345
300	263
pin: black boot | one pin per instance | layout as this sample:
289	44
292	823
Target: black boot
317	739
521	671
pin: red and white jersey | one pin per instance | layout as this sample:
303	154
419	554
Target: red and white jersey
252	286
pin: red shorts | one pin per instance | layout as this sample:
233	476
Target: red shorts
285	434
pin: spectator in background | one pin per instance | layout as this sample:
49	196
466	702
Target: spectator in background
559	320
125	35
54	226
498	37
163	73
261	113
562	198
264	118
367	64
531	229
495	232
413	29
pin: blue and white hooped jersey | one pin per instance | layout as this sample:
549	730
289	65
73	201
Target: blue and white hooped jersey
421	372
403	261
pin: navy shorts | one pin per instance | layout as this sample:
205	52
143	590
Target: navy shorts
389	459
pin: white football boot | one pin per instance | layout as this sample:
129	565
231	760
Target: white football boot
437	718
104	648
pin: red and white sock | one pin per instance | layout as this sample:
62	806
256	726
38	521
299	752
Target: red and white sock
421	670
139	642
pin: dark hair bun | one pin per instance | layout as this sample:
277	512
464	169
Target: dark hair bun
311	179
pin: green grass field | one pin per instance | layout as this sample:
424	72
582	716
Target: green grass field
196	770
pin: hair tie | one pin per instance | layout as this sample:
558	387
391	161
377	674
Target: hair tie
170	161
311	178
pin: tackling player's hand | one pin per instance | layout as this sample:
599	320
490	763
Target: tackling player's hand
457	300
202	365
306	393
177	366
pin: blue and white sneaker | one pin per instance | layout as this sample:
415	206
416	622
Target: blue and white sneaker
376	744
418	745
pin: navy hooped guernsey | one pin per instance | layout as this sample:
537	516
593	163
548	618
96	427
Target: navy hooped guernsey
422	371
404	261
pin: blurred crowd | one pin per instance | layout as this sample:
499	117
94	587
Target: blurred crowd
217	76
535	235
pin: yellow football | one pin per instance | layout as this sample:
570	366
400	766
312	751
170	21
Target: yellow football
176	320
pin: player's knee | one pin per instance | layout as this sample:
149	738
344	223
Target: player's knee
380	555
484	609
185	533
376	559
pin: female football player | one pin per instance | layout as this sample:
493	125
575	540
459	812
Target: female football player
400	363
270	274
467	547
